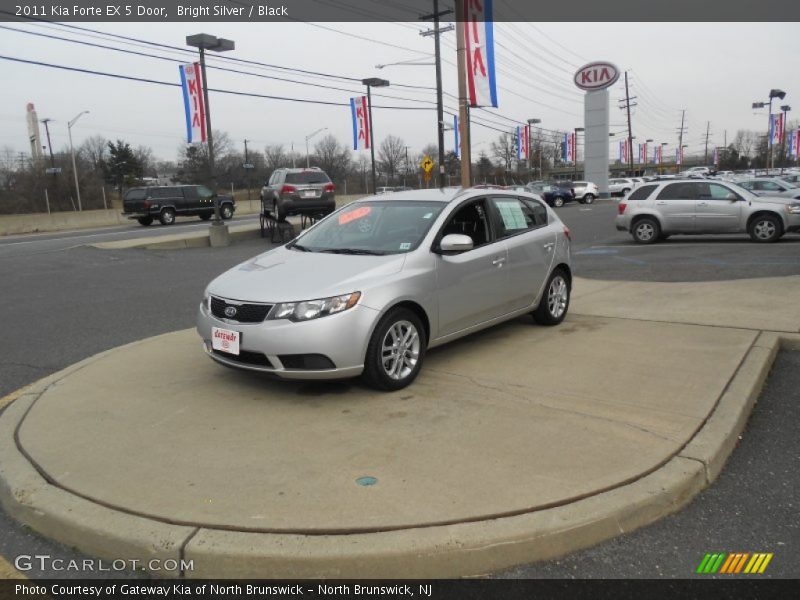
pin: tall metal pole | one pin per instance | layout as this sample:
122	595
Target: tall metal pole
783	138
439	105
247	162
209	136
371	137
769	136
74	169
49	145
680	143
463	114
630	133
705	154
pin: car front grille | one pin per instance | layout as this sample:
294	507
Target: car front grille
245	313
256	359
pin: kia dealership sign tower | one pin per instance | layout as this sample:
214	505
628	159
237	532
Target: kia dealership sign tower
595	78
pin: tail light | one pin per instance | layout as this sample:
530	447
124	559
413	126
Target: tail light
329	188
567	233
287	189
621	208
147	203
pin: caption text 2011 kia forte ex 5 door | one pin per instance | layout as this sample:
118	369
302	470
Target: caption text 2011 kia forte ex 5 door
367	290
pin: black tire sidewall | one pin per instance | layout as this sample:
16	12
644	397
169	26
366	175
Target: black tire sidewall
542	313
588	199
226	208
774	220
374	374
656	231
165	219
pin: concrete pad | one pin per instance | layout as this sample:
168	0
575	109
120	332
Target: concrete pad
745	303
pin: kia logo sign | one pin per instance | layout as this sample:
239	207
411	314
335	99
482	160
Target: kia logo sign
596	76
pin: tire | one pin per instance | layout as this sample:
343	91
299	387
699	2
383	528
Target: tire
554	304
226	211
145	221
588	198
765	229
205	216
276	212
167	216
384	357
558	202
646	231
626	191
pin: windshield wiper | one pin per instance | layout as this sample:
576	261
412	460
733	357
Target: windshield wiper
299	247
353	251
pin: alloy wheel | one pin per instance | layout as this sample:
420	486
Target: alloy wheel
400	350
557	296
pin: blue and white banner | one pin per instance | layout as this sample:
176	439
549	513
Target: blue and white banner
362	136
457	140
643	153
479	44
776	128
794	143
195	109
523	143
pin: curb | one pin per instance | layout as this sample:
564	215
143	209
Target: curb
464	549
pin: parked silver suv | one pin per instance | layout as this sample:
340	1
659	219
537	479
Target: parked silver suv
654	211
298	192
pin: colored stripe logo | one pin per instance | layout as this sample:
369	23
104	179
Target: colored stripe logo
734	563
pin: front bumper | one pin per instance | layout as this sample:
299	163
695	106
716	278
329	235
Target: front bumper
342	338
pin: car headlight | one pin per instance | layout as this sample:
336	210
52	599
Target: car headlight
793	208
305	310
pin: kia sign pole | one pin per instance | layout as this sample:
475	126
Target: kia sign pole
371	83
595	78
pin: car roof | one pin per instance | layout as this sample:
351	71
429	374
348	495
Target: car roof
445	195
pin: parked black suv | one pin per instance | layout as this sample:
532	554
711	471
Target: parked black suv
167	202
298	192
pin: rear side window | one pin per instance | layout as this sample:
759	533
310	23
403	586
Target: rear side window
516	215
166	193
137	194
642	192
307	177
678	191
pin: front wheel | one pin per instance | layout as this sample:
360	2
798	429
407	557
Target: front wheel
395	351
765	229
588	198
226	211
555	301
646	231
558	202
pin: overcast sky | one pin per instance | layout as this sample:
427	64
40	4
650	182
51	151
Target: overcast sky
715	71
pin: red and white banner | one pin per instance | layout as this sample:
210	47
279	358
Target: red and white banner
479	44
776	128
195	108
678	156
658	155
523	143
362	132
643	153
624	151
794	143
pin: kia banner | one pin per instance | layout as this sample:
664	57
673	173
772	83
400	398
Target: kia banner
479	44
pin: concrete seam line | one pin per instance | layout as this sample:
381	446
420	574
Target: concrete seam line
579	314
182	551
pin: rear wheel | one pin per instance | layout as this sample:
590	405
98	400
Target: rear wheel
167	216
558	202
588	198
205	216
646	231
395	351
765	229
555	302
145	221
276	211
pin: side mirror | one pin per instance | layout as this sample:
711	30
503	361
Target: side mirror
732	197
453	243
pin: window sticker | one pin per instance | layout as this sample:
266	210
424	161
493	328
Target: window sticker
405	246
512	215
358	213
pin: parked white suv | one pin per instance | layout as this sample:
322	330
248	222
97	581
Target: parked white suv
585	191
621	186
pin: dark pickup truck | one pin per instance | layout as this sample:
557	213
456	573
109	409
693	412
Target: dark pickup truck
167	202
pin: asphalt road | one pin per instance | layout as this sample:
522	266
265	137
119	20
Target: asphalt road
65	302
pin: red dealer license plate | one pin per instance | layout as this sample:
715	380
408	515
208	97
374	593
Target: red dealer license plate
225	340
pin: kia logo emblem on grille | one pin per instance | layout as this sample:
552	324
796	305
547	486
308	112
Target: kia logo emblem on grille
230	311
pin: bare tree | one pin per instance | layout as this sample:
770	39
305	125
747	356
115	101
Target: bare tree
391	155
332	157
504	150
95	151
274	158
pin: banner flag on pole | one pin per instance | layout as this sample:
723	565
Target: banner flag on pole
192	85
679	156
624	151
362	136
642	154
794	143
522	142
479	44
658	155
716	156
456	136
776	128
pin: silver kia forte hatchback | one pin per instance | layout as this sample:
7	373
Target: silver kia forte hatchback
367	290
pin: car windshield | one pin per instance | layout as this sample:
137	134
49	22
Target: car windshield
371	227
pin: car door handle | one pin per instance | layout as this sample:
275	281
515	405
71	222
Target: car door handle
660	202
702	204
498	262
549	245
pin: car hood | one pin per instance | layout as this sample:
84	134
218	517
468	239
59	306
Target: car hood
283	275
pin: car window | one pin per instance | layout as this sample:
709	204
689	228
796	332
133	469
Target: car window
136	194
515	215
769	186
470	219
307	177
678	191
642	192
748	185
718	192
165	193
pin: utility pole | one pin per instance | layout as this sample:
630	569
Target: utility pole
463	113
680	140
627	106
439	105
247	168
405	175
49	145
705	154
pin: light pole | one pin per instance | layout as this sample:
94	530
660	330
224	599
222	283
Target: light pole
372	82
72	152
647	141
785	108
660	162
308	137
535	122
204	41
773	93
575	172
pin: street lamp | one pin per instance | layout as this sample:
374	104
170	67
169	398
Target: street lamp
372	82
72	152
535	122
785	108
773	93
204	41
308	137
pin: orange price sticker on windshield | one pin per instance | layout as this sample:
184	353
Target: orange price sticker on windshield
354	214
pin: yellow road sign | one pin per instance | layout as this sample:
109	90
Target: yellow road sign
427	164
